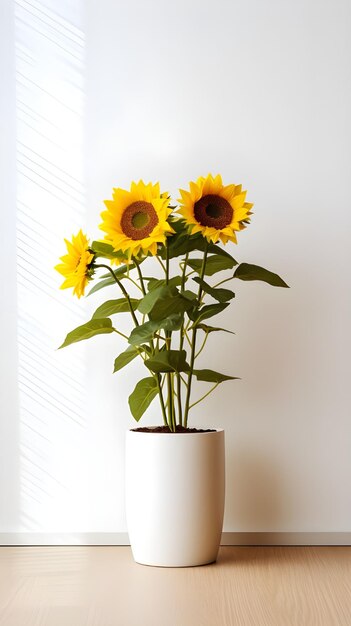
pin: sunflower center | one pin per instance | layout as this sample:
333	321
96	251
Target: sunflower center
138	220
213	211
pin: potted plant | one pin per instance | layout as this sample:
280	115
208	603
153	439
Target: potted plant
174	473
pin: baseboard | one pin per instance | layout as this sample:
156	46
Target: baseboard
228	539
286	539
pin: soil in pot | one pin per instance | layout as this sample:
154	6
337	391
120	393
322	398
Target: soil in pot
165	429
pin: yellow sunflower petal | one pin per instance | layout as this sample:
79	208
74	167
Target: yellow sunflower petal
136	220
76	265
213	209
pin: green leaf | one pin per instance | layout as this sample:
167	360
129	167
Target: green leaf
189	294
178	225
212	329
106	282
247	271
168	361
166	306
125	269
90	329
147	303
115	306
222	295
172	322
105	250
107	279
212	248
214	264
143	394
144	332
125	357
215	249
207	311
154	283
181	242
210	376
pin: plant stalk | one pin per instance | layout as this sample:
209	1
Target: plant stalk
193	347
140	277
122	288
181	343
204	396
170	402
163	408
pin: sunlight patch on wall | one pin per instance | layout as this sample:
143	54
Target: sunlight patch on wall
50	205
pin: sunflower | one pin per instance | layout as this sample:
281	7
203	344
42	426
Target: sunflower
76	266
136	220
215	210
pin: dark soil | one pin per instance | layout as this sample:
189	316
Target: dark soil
165	429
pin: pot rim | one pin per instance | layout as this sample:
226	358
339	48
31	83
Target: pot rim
215	431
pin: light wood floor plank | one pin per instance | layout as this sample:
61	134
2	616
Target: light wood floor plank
102	586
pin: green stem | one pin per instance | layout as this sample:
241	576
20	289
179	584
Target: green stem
205	396
140	277
134	283
187	338
122	288
162	402
223	281
193	347
167	263
202	347
173	420
140	352
181	343
179	399
160	262
184	271
142	287
119	333
168	335
169	392
159	337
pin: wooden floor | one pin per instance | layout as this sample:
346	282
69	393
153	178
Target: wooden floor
102	586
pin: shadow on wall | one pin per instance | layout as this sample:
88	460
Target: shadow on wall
256	498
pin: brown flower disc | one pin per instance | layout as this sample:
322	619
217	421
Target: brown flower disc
213	211
138	220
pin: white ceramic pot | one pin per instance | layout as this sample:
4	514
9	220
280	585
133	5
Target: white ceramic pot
175	497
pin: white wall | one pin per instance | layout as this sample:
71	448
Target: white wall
258	91
9	418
